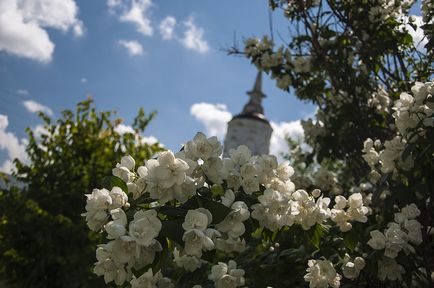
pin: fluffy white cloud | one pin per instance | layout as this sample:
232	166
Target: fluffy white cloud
133	11
216	116
213	116
33	107
133	47
167	27
151	140
419	38
23	23
78	29
193	37
122	129
282	131
9	142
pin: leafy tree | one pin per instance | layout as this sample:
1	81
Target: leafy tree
43	238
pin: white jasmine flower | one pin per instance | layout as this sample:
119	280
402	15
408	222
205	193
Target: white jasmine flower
389	269
351	269
196	241
227	275
377	241
97	206
189	263
321	273
145	255
228	198
250	185
233	222
149	280
145	227
212	168
119	198
203	148
241	155
116	227
197	219
410	211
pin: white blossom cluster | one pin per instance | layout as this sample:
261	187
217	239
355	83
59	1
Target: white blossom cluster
351	267
413	114
388	158
322	274
346	211
414	110
227	275
399	235
380	100
197	237
384	9
134	249
276	209
149	280
100	203
280	62
133	228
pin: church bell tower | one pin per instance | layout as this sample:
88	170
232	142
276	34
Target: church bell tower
250	127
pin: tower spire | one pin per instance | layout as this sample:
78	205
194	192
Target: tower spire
254	106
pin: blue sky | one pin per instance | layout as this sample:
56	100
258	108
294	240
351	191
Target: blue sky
53	53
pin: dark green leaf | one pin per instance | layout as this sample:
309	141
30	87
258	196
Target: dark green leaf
173	230
350	240
112	181
314	235
218	210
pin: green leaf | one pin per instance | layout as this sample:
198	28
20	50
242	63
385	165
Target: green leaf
172	211
218	210
350	240
173	230
315	234
112	181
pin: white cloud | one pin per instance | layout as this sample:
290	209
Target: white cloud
122	129
40	130
23	23
419	38
23	92
33	107
193	37
83	80
114	3
133	47
133	11
282	131
78	29
10	143
151	140
167	27
213	116
216	116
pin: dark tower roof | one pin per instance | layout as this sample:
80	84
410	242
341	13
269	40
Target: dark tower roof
253	109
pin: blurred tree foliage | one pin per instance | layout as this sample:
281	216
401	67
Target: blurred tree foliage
44	241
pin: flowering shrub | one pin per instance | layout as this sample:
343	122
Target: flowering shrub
195	219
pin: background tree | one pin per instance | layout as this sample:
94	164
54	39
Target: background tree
44	241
